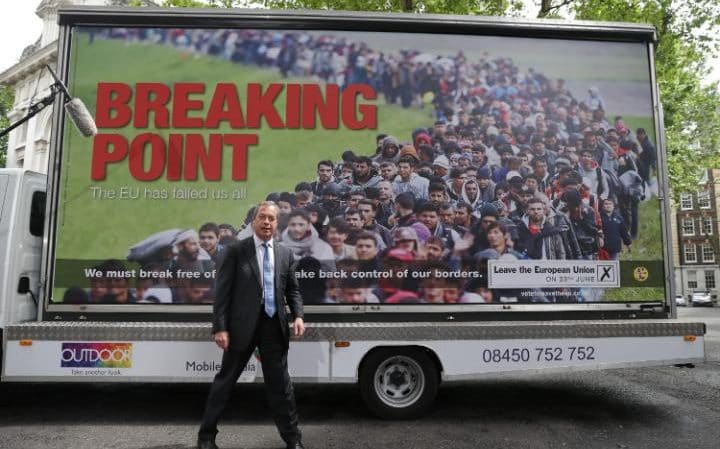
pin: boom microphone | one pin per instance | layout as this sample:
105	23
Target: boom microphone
76	110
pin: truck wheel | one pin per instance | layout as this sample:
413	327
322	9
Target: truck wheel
399	383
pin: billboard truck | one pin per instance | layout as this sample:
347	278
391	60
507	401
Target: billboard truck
463	196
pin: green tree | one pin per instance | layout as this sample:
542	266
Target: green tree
7	98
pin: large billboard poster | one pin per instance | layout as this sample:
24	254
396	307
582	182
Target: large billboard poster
408	168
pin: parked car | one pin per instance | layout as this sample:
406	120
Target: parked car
680	301
701	298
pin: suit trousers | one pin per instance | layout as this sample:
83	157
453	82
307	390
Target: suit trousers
279	390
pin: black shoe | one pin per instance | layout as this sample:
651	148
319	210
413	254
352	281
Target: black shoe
205	444
297	445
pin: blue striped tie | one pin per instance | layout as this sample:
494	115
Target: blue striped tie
268	290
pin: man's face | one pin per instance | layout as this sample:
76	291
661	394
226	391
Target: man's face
439	130
459	181
495	238
354	200
196	294
461	216
434	251
302	203
361	170
483	183
464	163
335	238
285	208
352	295
324	173
641	136
354	221
429	219
225	232
478	157
591	140
190	248
538	148
447	216
540	168
118	289
608	207
437	197
298	227
390	151
531	183
405	170
586	160
366	249
366	211
487	220
388	172
265	222
536	212
439	171
385	190
471	189
208	241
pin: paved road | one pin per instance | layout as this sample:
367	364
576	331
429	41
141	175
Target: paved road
658	408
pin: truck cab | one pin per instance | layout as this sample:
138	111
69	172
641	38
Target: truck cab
22	218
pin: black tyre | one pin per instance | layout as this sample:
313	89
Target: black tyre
399	383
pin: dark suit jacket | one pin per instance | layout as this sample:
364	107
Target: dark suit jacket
238	298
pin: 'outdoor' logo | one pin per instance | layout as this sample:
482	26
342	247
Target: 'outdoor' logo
96	355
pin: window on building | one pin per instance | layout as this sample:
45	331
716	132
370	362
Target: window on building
704	200
710	279
707	225
690	254
692	279
688	226
708	252
686	202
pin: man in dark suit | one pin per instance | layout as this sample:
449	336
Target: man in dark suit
254	284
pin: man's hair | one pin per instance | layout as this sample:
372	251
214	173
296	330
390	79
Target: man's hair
287	197
358	192
363	160
303	187
302	195
534	200
210	227
537	160
299	213
387	164
326	163
266	204
432	240
446	206
408	160
427	207
500	226
352	212
366	236
436	187
464	205
340	225
406	200
370	203
456	172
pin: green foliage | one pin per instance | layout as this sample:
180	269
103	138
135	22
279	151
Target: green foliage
691	110
7	97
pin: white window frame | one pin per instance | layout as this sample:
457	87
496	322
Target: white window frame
703	197
692	279
710	251
686	224
686	201
707	225
687	253
710	279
